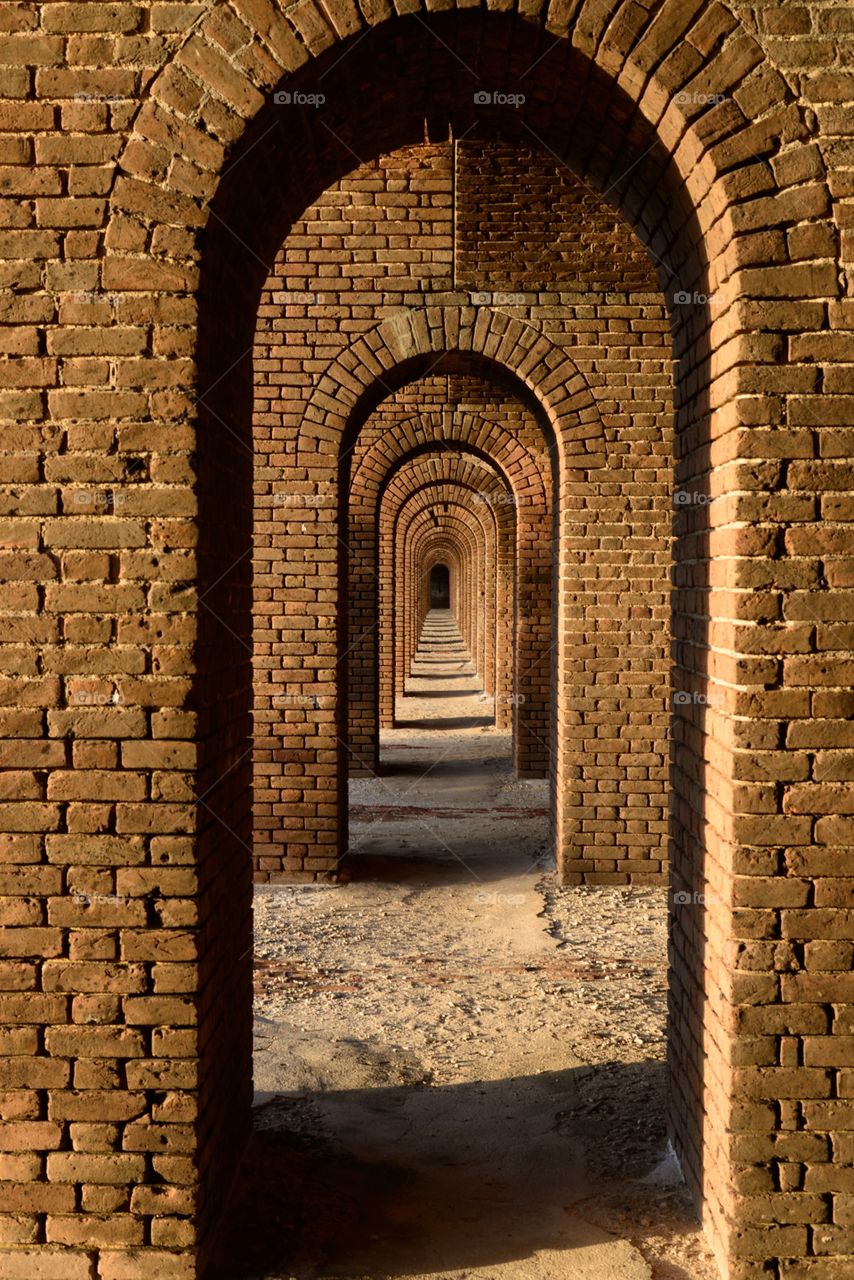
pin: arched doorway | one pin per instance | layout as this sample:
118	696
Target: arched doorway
632	140
440	587
325	419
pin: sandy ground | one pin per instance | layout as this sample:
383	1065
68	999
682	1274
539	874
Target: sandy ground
459	1065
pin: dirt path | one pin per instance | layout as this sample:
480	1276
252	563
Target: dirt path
459	1064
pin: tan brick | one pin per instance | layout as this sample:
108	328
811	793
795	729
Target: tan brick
94	1042
60	975
141	1264
91	1232
46	1264
68	1166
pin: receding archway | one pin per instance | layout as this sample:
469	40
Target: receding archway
440	586
392	355
602	128
523	497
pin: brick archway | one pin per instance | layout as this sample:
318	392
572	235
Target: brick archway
642	90
486	487
476	531
318	456
408	343
486	499
530	491
570	420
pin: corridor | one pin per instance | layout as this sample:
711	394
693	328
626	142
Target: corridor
442	667
447	798
459	1062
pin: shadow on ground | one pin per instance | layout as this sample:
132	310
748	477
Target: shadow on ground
449	772
444	693
413	1178
447	722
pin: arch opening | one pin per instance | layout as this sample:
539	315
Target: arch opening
387	397
440	586
653	203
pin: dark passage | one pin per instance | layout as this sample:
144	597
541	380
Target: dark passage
440	587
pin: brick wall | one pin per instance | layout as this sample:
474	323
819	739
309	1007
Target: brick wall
150	180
